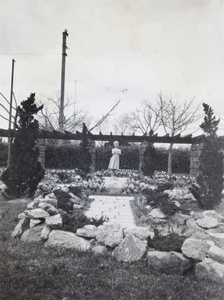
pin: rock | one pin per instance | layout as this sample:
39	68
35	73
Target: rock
34	222
109	234
216	254
54	222
218	229
196	248
64	239
157	213
214	214
46	188
32	234
211	270
77	207
20	227
99	250
168	262
36	213
194	231
50	200
45	232
32	205
130	249
88	231
51	209
207	222
218	239
140	232
21	216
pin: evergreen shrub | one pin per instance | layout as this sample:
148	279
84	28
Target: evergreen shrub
208	190
170	242
24	171
3	154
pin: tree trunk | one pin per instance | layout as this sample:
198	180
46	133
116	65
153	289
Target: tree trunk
170	152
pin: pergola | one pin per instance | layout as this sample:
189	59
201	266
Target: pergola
57	135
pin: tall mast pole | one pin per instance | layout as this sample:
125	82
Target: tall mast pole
61	111
10	112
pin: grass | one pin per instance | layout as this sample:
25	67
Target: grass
31	272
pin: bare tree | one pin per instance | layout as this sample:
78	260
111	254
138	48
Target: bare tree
122	124
175	118
144	120
73	117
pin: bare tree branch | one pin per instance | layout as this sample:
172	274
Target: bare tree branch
105	116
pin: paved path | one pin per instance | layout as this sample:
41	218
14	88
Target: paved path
116	208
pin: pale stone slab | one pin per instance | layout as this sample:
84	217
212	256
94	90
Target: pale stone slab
130	249
64	239
196	249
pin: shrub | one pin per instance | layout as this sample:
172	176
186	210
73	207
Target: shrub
24	171
210	176
170	242
71	222
157	199
63	199
149	162
3	154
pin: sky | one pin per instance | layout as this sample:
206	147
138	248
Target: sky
128	50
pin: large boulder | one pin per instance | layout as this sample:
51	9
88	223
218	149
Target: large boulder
168	262
216	254
45	232
214	214
194	231
207	222
195	248
218	239
109	234
54	222
22	225
130	249
37	213
32	234
64	239
210	270
140	232
51	209
88	231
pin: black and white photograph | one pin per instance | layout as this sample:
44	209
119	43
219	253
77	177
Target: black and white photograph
112	149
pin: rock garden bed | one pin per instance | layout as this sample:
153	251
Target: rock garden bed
173	235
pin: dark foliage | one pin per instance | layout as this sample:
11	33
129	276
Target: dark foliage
71	157
3	154
149	161
63	199
71	222
157	199
170	242
86	156
165	186
210	176
24	171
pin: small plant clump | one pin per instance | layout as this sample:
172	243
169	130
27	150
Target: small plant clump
157	199
71	222
170	242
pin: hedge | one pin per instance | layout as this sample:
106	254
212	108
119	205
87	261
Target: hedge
71	157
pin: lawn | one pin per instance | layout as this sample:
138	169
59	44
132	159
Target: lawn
29	272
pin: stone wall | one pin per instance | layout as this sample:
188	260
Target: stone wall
41	143
194	159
